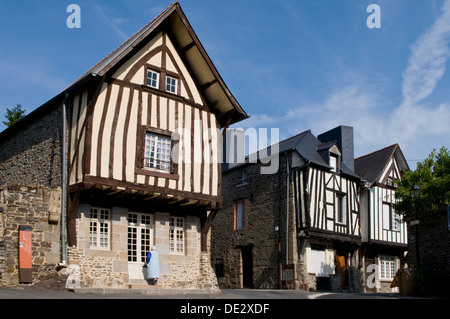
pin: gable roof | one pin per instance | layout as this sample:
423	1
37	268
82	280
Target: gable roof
221	101
192	51
372	165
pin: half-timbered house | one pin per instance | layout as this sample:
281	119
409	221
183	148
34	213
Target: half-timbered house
383	231
141	160
298	227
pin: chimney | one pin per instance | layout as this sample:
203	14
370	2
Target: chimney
343	135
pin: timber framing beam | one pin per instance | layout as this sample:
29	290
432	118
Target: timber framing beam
206	225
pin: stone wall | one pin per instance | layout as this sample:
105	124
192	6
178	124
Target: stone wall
433	238
264	235
33	156
265	197
109	267
30	206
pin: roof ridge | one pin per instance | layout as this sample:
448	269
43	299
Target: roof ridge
374	152
329	142
296	135
123	44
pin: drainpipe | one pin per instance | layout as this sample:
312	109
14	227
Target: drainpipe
278	229
287	207
63	197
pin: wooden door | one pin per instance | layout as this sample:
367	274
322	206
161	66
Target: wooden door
341	269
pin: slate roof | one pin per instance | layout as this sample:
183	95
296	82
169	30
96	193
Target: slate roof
372	165
308	147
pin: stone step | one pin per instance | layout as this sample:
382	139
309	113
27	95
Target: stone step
143	284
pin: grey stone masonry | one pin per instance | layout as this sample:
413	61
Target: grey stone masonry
33	155
36	207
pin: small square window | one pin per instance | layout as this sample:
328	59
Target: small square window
153	79
242	180
171	84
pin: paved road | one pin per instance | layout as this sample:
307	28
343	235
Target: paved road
238	294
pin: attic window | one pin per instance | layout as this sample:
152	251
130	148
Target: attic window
152	79
171	84
334	163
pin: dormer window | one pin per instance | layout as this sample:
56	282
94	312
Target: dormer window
334	163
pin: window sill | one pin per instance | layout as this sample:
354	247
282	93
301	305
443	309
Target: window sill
386	279
241	184
155	173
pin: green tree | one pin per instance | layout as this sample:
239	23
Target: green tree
433	177
14	115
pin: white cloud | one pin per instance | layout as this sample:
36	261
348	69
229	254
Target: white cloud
418	125
427	63
112	23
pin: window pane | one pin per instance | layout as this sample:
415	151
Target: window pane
157	151
176	235
386	216
333	163
99	228
171	84
341	209
396	219
240	215
153	79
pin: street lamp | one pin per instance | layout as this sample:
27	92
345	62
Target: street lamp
415	194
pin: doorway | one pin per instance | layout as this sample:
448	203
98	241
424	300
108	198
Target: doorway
140	240
341	269
247	266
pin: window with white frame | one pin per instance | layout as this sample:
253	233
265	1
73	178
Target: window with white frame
176	235
334	163
387	267
171	84
391	220
341	209
153	79
139	236
157	151
99	228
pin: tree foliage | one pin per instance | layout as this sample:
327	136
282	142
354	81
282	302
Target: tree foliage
14	115
433	177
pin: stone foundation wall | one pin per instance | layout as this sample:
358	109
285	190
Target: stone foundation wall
38	208
109	267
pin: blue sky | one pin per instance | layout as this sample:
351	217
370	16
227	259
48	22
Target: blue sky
291	64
